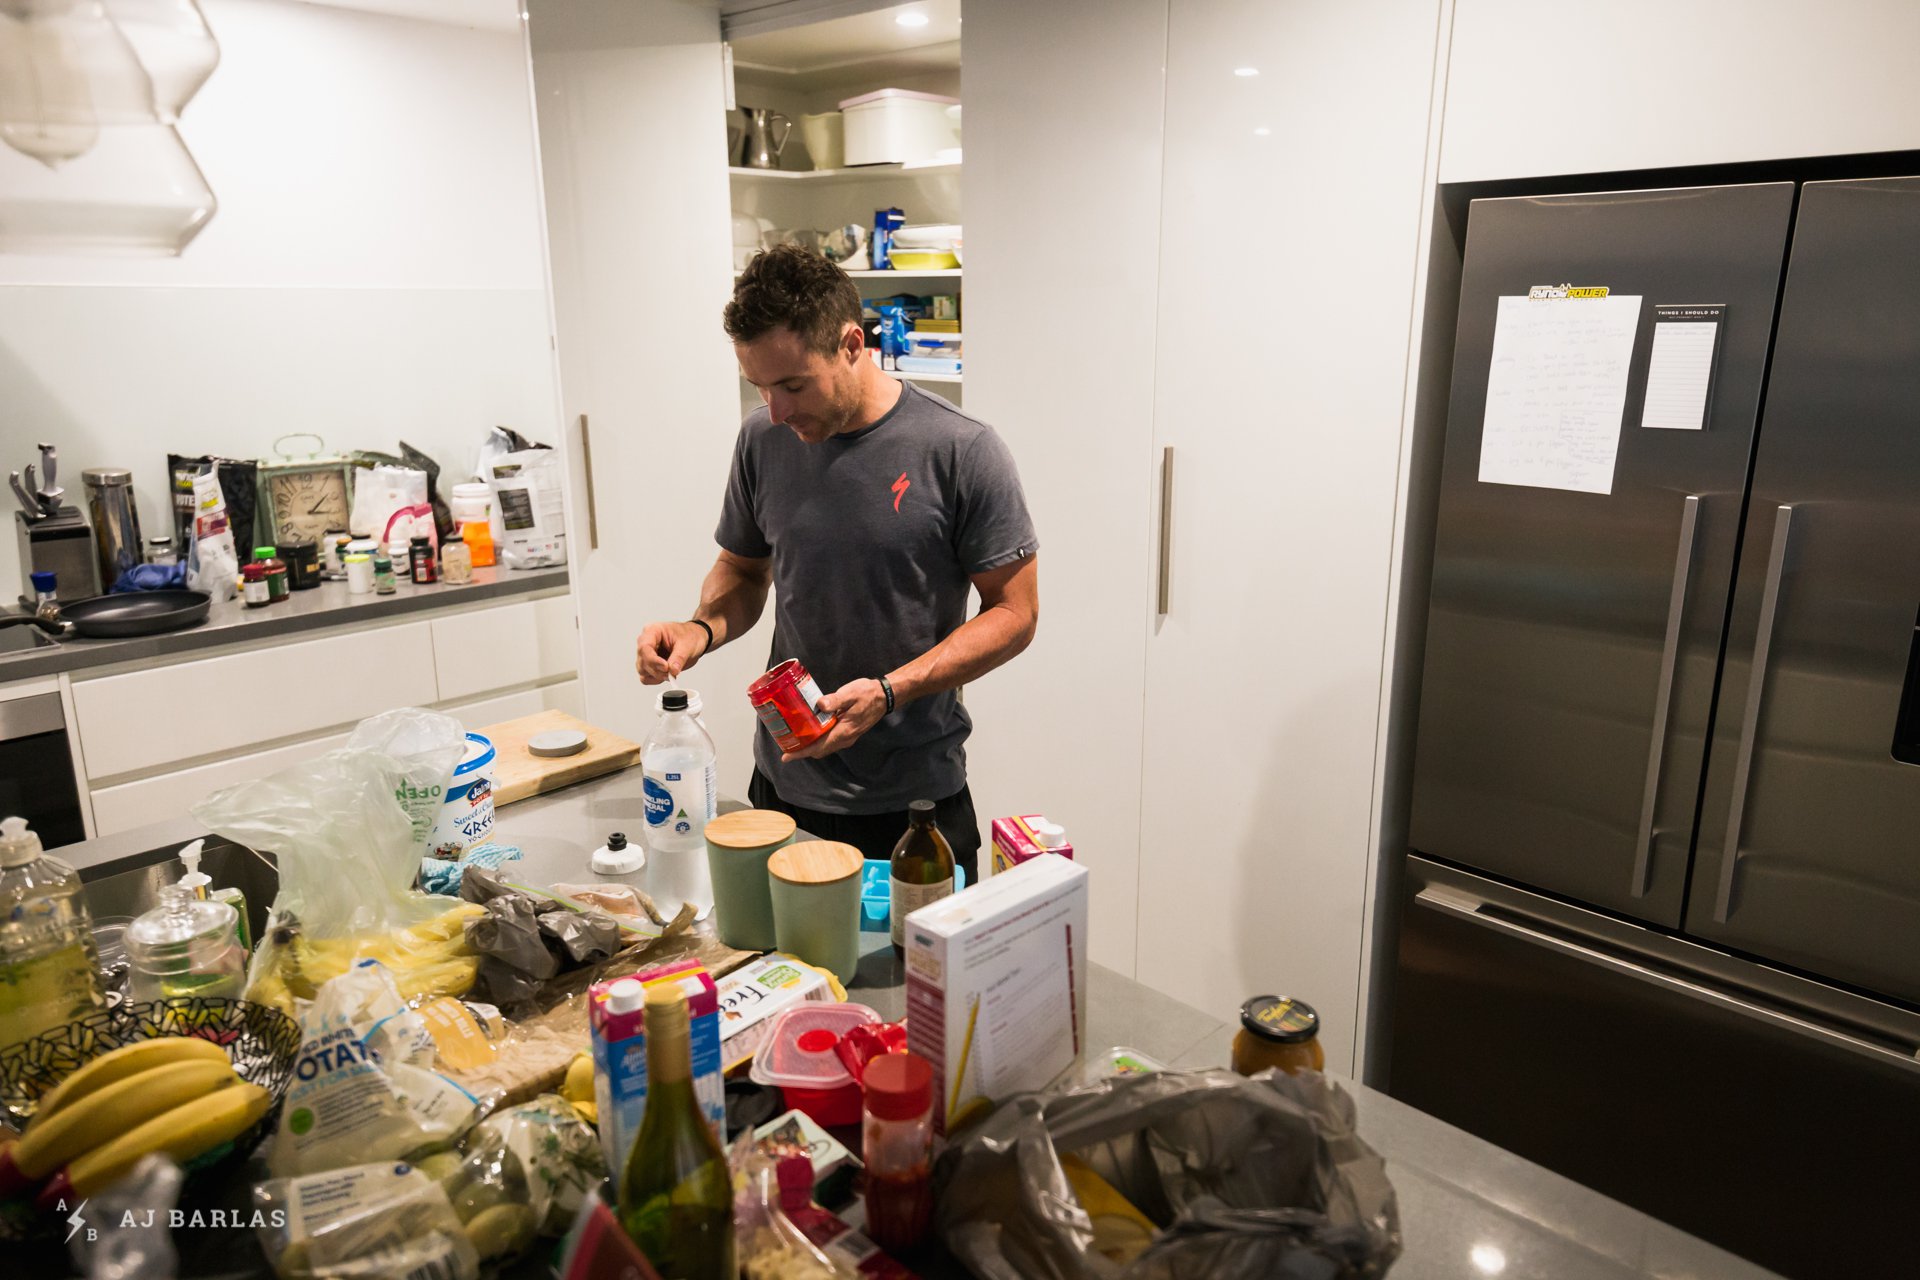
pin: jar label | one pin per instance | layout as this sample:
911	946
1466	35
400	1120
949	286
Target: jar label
909	898
810	697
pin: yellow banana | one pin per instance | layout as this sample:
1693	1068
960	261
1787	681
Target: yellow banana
188	1130
128	1060
579	1082
106	1113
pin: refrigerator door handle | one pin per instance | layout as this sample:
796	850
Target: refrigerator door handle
1164	600
1750	716
1464	907
1663	700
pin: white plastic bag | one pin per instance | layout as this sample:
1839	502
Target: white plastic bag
371	1221
382	493
359	1090
530	507
213	565
428	746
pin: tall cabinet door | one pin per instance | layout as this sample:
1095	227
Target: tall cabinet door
1296	139
1573	636
1807	849
633	163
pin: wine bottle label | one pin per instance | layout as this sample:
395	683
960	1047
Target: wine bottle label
909	898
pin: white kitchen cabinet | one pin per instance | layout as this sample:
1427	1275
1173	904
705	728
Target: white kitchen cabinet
212	706
1069	165
485	649
633	155
1296	136
170	795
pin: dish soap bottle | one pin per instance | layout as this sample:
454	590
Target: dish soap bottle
184	947
49	973
197	881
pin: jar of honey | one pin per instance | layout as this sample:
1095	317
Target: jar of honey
786	700
1278	1031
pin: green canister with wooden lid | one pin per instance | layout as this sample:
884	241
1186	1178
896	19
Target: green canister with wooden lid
738	846
816	904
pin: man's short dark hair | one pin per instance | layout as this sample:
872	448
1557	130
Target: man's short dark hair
794	288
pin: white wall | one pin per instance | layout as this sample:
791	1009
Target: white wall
374	271
1576	88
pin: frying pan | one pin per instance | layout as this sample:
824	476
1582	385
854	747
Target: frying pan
136	613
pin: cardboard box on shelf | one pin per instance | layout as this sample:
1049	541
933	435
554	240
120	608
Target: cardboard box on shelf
997	985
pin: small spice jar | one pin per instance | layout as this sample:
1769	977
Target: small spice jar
278	588
303	563
160	551
424	570
785	700
253	585
1278	1031
383	579
897	1143
456	561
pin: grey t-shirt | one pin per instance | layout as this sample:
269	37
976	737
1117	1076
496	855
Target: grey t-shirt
873	536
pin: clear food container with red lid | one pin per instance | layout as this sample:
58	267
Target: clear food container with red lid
800	1059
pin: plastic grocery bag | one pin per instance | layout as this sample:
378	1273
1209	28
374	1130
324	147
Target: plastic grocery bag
1245	1179
347	858
362	1089
371	1221
428	747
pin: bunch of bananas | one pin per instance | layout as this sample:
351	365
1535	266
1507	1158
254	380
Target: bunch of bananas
431	958
176	1096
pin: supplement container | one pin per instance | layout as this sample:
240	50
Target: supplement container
785	699
359	575
278	588
253	586
303	563
466	816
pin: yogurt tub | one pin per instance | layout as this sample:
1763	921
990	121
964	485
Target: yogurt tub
466	814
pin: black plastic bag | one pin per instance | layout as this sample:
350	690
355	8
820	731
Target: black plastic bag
1246	1179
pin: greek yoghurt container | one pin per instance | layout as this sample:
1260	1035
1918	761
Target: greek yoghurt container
466	814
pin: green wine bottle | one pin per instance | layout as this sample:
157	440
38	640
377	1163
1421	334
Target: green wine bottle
676	1197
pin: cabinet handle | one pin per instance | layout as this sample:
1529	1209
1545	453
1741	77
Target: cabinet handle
1750	717
1166	530
586	462
1663	700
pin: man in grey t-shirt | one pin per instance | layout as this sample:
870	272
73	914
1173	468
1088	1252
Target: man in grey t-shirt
873	509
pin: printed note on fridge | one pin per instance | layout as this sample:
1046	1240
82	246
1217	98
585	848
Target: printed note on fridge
1557	390
1680	371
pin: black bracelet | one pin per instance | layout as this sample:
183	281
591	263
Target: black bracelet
886	687
709	630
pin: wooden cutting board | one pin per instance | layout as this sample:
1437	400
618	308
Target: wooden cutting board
519	774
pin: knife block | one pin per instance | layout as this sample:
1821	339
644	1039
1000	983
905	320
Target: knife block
60	544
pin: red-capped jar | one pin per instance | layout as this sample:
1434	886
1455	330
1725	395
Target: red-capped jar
785	700
897	1134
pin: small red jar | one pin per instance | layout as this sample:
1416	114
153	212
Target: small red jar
785	700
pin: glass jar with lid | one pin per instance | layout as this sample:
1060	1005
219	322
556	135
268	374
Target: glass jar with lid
186	946
1278	1031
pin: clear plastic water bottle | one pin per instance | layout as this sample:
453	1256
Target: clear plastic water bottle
49	971
677	762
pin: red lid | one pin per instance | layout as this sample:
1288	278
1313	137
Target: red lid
798	1053
253	571
899	1086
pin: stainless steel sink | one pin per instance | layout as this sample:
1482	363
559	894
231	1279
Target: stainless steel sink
126	887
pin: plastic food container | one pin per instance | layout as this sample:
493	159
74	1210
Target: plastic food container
785	699
929	342
876	894
799	1060
898	126
466	815
922	259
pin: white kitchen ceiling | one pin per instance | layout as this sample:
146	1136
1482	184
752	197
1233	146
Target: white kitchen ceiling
496	15
875	37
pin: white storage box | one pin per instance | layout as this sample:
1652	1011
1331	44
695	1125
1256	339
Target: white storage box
899	126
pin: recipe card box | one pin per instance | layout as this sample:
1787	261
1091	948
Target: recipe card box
997	984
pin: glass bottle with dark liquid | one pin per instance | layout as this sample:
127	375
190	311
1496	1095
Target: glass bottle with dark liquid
922	869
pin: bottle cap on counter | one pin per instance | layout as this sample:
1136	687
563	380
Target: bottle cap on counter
1280	1019
617	841
899	1086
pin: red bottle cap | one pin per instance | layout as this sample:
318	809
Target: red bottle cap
899	1086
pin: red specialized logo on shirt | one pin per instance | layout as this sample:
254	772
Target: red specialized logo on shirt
899	488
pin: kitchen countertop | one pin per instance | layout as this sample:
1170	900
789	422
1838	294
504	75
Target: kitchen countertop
229	622
1467	1208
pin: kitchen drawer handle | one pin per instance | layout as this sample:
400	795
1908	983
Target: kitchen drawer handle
586	465
1467	908
1663	700
1166	530
1750	715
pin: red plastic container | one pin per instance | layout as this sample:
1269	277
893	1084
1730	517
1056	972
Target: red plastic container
801	1058
785	699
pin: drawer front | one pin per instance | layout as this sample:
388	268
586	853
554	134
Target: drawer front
564	696
148	719
173	795
516	644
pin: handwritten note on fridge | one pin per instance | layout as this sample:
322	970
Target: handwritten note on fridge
1557	390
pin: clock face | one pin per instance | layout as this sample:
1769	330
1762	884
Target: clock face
308	503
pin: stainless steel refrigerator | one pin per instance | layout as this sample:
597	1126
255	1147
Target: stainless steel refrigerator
1661	923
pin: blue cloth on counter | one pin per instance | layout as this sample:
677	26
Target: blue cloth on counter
151	577
439	875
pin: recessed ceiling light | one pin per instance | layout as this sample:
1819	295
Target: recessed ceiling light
911	19
1246	71
1262	132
